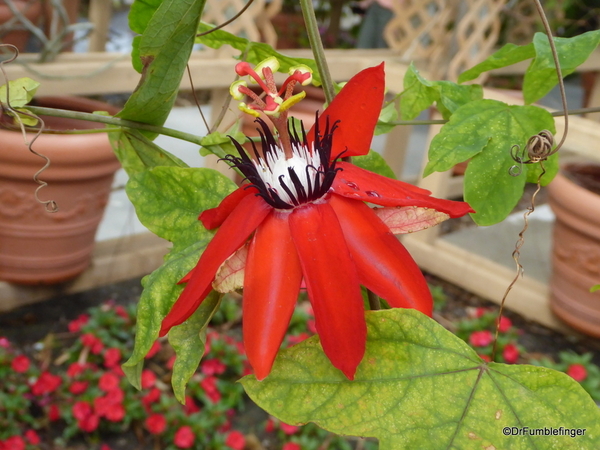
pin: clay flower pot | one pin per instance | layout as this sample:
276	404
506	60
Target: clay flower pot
41	247
32	10
574	196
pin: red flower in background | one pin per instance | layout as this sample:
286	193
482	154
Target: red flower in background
184	437
510	353
577	371
14	443
235	440
481	338
20	364
75	325
156	423
32	437
306	217
78	387
112	357
45	384
108	382
148	379
92	342
291	446
504	324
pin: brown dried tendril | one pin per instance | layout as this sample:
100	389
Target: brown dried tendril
537	149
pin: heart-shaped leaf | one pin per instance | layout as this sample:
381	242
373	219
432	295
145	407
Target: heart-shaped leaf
421	387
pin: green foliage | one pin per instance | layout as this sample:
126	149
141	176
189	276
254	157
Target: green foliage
166	205
137	153
579	367
419	386
485	131
253	52
188	340
163	51
17	94
540	76
374	162
419	94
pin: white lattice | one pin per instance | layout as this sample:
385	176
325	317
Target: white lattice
253	24
444	37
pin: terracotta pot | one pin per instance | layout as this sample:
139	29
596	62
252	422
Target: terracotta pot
576	250
19	38
41	247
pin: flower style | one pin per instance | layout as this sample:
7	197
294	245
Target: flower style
306	218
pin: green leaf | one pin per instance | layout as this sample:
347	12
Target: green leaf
418	95
140	14
189	341
388	114
453	96
485	131
19	93
374	162
219	144
160	292
254	52
137	153
164	50
462	137
168	201
421	387
508	55
541	76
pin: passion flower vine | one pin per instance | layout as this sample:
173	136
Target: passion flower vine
304	217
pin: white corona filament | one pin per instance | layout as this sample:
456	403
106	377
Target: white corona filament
304	163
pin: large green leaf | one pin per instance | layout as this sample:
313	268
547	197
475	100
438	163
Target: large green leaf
137	153
485	131
254	52
541	75
421	387
508	55
163	49
168	200
189	341
419	94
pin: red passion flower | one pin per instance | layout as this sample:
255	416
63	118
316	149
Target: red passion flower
306	218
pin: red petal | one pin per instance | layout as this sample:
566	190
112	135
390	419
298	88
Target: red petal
359	184
271	286
332	283
357	107
244	219
214	217
383	264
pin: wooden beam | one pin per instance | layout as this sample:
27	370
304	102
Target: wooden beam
107	73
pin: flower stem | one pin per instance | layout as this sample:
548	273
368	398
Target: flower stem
316	45
114	121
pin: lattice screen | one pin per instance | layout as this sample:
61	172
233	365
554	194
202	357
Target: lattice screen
445	37
249	25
